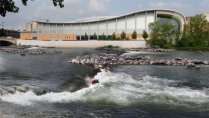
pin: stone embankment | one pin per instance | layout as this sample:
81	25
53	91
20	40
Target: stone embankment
150	49
140	49
106	60
18	50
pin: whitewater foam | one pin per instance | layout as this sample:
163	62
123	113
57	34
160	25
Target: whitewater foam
132	53
119	88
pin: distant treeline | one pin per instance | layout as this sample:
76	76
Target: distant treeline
195	35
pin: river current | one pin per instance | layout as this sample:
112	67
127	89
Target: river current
125	92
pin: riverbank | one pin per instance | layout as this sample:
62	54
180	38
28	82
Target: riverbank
31	51
116	48
83	44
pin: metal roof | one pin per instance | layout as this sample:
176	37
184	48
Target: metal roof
105	18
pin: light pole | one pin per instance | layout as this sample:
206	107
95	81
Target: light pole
2	30
2	25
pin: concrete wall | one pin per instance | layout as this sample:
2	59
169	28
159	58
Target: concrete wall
26	35
83	44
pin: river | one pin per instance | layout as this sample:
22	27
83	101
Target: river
125	92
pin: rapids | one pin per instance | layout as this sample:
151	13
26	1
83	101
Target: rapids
119	88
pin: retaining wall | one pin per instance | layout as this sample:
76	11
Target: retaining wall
83	44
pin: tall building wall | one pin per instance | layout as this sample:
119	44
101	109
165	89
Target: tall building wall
138	22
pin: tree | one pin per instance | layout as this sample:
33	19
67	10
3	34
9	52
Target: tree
155	34
154	29
2	33
161	34
168	32
95	36
123	35
134	35
86	36
9	5
199	30
195	34
113	36
103	37
145	35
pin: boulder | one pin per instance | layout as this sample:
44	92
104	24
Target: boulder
3	92
9	89
20	89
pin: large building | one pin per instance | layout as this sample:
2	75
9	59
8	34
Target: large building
93	28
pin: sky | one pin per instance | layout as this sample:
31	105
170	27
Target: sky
78	9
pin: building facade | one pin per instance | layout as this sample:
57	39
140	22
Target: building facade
93	28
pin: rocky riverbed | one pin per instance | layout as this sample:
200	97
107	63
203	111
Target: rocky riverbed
139	49
36	51
106	60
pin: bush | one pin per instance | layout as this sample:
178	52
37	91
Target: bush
108	47
123	35
134	35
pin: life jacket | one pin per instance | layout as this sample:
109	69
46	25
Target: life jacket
94	81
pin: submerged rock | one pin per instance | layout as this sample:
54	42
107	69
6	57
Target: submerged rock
3	92
39	91
21	89
9	89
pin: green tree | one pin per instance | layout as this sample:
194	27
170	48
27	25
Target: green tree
145	34
162	34
94	36
113	36
199	30
155	30
195	34
168	32
102	37
10	6
134	35
123	35
155	35
2	33
86	36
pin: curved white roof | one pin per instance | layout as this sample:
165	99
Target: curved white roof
91	19
103	18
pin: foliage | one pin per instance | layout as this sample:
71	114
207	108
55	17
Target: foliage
168	31
145	35
10	6
123	35
108	47
94	36
195	34
102	37
86	36
161	35
154	29
2	33
109	37
134	35
113	36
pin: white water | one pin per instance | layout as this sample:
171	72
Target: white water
132	53
1	63
119	88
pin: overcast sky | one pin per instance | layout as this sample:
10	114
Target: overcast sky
78	9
